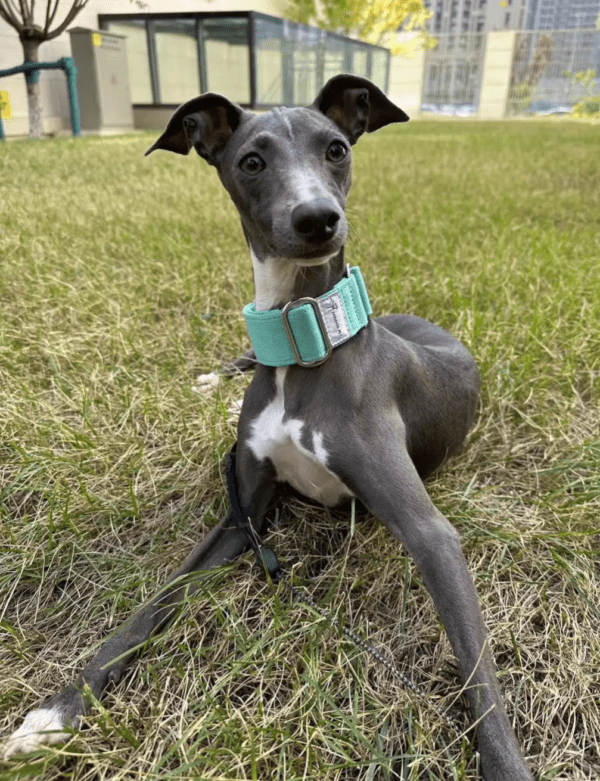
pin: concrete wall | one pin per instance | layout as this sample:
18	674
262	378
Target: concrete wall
151	118
53	84
406	79
497	68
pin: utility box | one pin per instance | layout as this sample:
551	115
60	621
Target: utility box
102	79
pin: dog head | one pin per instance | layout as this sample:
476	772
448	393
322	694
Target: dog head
288	171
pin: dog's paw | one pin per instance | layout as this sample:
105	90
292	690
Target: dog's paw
43	726
206	382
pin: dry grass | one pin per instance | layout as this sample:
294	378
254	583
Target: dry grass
122	278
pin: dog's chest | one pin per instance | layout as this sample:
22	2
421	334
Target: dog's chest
299	460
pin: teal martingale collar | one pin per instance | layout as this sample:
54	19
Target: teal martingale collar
305	331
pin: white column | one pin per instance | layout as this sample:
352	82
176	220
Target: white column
406	78
497	66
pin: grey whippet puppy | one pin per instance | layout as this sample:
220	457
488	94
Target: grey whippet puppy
381	407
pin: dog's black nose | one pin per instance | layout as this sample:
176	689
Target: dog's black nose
316	221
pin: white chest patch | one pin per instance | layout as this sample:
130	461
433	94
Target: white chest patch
304	469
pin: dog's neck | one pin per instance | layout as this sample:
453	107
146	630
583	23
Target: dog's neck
277	281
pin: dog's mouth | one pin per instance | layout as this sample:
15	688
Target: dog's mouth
306	252
316	258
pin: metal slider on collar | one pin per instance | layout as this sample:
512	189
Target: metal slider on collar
290	334
308	336
322	325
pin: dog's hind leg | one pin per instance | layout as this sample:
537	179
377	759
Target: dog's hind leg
245	363
207	382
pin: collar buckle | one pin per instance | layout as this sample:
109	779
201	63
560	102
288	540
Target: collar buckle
290	334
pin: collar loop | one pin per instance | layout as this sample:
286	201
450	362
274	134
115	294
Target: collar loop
306	331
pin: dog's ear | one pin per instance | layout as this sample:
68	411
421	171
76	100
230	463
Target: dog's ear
356	105
205	123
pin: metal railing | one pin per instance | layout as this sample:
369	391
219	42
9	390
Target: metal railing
552	70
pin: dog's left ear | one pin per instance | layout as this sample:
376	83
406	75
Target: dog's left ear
356	105
205	123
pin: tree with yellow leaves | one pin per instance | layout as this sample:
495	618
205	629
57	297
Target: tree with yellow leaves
374	21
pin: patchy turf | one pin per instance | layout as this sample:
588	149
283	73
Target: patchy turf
124	277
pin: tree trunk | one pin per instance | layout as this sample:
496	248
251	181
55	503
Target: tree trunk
34	102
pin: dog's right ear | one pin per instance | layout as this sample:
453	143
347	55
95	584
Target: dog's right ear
205	123
356	105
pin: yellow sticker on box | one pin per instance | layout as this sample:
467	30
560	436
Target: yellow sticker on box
96	39
5	107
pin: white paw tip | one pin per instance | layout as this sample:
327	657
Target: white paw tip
41	727
206	382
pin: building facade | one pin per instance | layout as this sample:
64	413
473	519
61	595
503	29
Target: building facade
464	16
476	16
540	50
562	14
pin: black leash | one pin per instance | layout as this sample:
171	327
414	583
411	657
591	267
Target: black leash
264	555
271	567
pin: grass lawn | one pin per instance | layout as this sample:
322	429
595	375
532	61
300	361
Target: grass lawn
121	279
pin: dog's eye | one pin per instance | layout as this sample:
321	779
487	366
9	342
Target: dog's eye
336	152
252	164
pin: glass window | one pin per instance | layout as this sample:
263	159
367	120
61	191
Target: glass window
138	62
268	34
334	58
227	57
359	61
290	62
305	45
379	68
181	57
176	47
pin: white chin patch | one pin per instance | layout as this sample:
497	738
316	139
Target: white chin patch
41	727
315	261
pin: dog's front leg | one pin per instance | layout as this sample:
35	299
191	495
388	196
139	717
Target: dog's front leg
387	483
224	543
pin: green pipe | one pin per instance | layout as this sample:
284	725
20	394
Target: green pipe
32	76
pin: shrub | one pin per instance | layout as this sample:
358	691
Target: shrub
588	108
